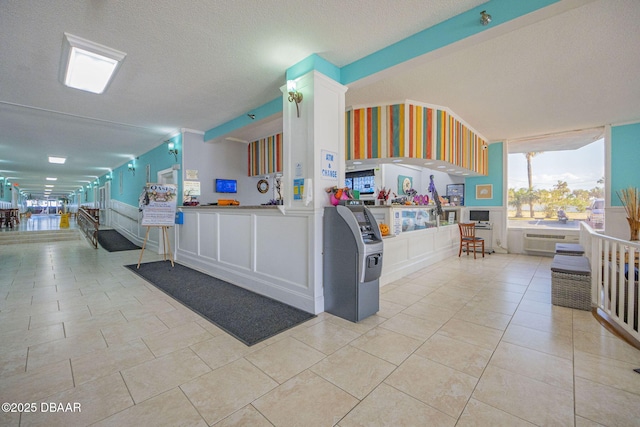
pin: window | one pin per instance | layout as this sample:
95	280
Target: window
557	181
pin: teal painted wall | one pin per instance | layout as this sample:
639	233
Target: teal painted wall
625	159
495	178
132	185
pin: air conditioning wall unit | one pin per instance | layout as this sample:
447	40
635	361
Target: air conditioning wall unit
546	243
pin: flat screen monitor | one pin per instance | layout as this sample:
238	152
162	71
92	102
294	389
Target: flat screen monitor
226	186
479	216
362	181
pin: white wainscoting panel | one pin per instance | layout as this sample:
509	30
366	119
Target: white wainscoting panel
236	239
279	240
187	236
411	251
256	248
208	230
126	220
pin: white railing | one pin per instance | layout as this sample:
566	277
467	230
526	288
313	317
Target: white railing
614	277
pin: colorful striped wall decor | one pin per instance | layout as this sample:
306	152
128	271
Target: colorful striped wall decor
413	131
265	155
375	132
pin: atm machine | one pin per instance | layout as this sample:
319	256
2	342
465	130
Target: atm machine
352	261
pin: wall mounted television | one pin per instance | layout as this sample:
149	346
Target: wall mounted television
226	185
479	216
362	181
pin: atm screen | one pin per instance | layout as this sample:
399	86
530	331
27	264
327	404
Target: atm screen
360	216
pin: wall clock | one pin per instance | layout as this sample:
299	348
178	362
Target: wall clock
263	186
405	183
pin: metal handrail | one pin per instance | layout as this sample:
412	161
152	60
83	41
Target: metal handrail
89	226
124	215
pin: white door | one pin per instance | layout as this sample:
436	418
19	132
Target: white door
167	176
105	204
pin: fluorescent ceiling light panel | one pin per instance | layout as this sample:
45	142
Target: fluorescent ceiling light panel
49	185
57	160
51	179
87	65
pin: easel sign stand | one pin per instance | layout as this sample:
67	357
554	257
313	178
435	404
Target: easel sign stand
166	244
158	205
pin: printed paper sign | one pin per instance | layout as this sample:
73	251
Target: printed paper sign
329	165
158	204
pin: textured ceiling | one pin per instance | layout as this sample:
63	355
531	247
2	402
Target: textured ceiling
196	65
575	70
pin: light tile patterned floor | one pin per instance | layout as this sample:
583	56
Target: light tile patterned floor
464	342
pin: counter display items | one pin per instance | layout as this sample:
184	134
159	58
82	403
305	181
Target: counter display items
434	195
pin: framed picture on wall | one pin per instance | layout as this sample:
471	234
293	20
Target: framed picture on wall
484	191
455	190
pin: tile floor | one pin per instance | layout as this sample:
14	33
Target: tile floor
464	342
38	222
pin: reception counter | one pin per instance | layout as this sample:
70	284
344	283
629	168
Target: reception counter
260	248
274	252
418	239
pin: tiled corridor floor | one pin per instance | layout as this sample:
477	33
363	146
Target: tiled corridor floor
38	223
463	342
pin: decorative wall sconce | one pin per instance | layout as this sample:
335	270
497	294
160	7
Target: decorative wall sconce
132	168
485	18
294	95
173	150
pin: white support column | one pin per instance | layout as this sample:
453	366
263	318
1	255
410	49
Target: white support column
320	130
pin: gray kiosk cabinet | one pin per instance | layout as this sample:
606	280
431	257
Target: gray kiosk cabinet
352	253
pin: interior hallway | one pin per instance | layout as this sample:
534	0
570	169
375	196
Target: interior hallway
463	342
39	222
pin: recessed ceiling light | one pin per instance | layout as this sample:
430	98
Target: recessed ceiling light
357	163
396	160
441	167
428	163
49	185
450	170
57	160
465	174
51	179
87	65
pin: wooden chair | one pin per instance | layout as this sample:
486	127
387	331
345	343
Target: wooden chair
469	240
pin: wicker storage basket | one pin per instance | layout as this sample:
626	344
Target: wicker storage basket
571	290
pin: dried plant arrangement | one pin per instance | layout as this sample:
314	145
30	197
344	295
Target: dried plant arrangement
630	199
